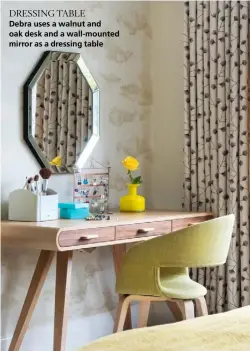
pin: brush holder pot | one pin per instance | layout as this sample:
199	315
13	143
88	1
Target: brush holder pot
26	206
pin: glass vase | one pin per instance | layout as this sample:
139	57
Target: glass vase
132	202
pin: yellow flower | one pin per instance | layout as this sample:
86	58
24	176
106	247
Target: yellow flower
130	163
57	161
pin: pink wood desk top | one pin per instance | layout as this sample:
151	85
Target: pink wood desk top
45	235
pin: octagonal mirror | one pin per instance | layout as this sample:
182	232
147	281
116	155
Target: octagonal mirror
61	111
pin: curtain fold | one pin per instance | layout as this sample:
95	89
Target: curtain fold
216	148
63	111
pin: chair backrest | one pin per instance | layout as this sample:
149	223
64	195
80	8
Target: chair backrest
200	245
206	243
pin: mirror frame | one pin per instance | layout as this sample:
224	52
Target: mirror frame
29	105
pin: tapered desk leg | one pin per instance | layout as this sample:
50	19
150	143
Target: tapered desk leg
119	252
63	279
39	276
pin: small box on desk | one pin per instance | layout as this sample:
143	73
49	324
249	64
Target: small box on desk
26	206
72	210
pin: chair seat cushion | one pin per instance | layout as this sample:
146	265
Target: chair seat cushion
179	286
172	282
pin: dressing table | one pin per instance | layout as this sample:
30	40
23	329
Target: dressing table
63	237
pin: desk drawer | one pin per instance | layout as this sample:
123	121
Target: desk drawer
86	236
185	222
141	230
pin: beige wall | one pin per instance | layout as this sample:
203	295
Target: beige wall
140	78
167	112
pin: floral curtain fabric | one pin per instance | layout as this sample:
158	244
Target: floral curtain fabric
216	151
63	110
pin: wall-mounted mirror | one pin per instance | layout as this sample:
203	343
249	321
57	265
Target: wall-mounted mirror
61	111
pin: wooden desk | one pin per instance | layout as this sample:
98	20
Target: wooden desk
65	236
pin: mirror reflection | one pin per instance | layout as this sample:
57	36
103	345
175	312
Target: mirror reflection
63	111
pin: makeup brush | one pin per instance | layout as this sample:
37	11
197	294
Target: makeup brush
36	179
26	182
32	186
29	181
45	173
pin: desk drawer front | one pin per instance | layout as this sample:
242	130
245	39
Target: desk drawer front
141	230
86	236
185	222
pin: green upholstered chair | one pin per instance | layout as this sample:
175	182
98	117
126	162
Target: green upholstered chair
158	270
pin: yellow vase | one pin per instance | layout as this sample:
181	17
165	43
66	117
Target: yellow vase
132	202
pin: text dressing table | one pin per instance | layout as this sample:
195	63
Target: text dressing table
63	237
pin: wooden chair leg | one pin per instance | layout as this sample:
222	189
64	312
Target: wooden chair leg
119	251
186	308
36	284
122	312
175	309
144	307
201	307
63	278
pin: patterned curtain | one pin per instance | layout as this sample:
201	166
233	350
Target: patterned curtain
216	151
63	110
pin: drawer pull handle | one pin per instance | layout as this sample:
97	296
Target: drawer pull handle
88	237
190	224
145	230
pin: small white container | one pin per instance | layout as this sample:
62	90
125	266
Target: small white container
26	206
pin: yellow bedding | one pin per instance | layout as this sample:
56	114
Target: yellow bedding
229	331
